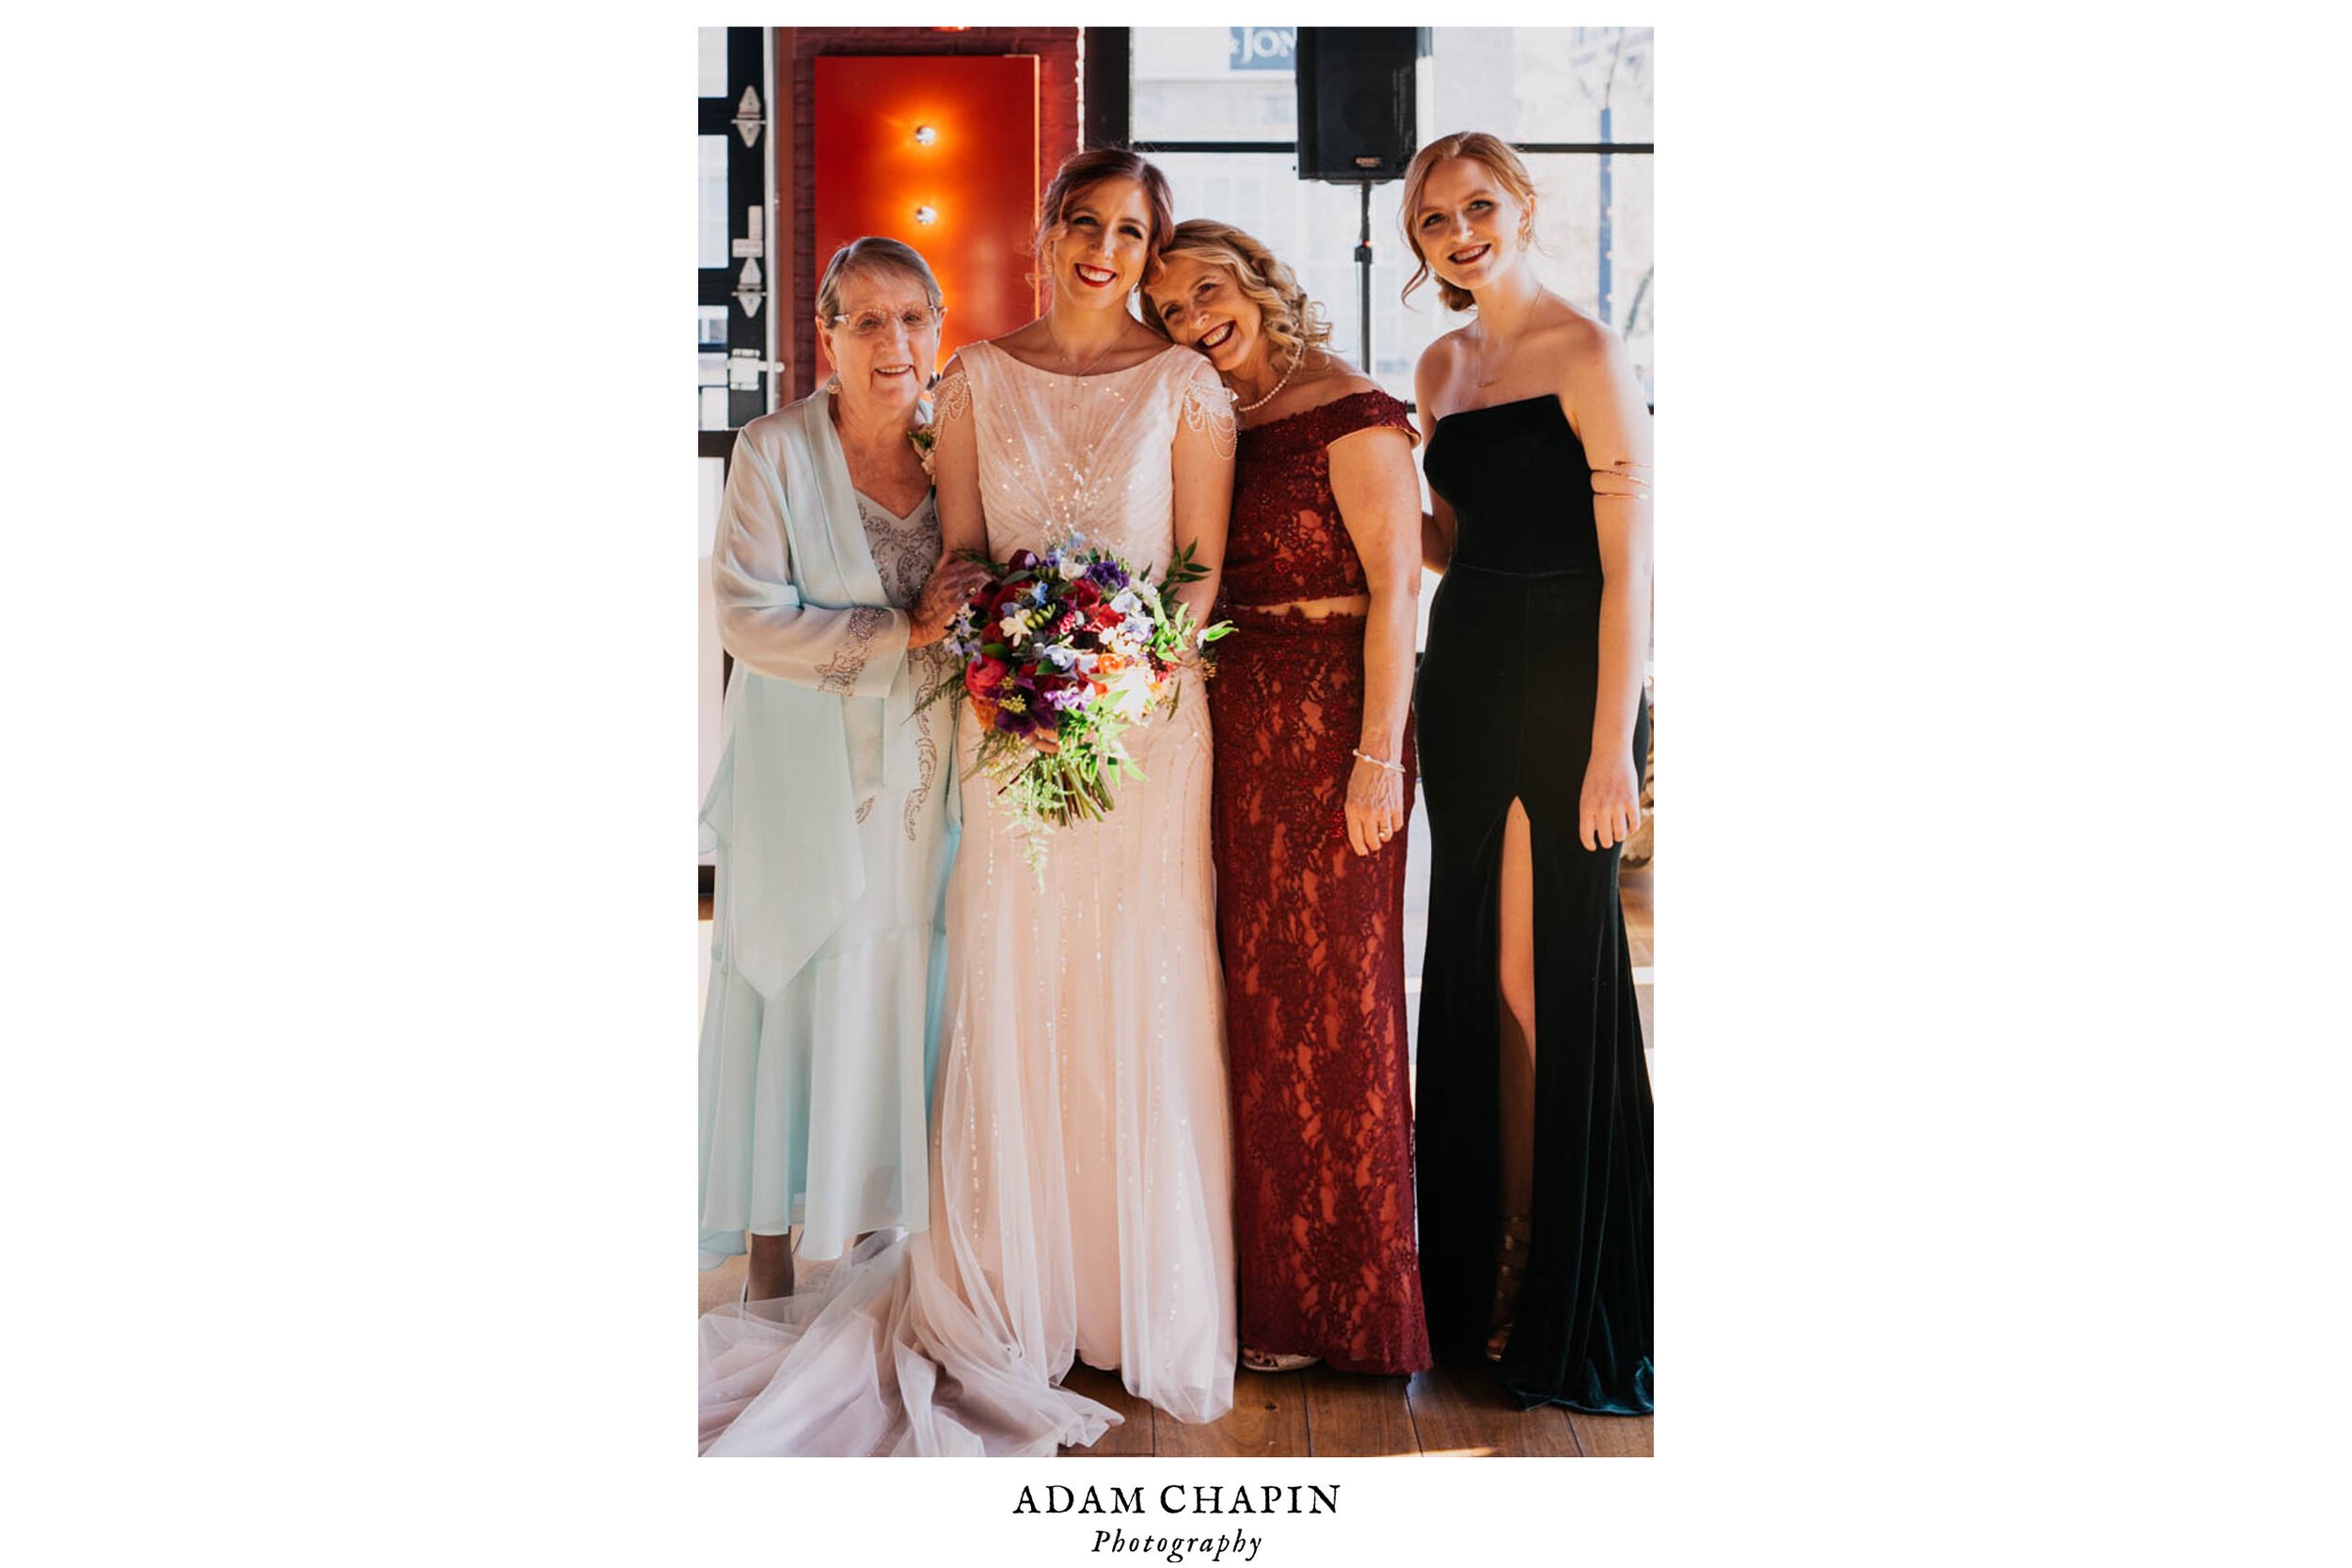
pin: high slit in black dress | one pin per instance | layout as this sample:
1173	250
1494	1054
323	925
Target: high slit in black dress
1503	705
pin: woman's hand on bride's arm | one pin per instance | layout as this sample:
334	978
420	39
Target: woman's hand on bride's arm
952	581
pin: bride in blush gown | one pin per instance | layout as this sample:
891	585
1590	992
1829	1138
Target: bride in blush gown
1081	1180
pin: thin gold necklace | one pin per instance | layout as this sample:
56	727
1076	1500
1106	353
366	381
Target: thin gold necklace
1067	356
1525	321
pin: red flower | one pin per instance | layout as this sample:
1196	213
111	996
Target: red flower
984	674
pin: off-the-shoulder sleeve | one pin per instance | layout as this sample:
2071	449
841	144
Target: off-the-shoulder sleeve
852	652
1372	411
1205	404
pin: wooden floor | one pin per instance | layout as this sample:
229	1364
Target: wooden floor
1323	1414
1320	1413
1449	1410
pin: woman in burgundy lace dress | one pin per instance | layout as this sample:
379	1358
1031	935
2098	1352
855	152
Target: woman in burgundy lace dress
1313	781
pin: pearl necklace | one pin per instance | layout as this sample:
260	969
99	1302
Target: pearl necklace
1252	407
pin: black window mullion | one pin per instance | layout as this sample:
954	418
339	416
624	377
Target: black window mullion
1593	148
1590	147
1109	87
1148	146
746	191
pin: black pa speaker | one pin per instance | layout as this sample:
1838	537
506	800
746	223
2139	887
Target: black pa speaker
1356	102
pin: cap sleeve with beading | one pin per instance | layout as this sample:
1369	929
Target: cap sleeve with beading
1205	403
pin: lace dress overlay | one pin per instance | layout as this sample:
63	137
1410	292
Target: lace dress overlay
905	550
1080	1172
1286	542
1312	934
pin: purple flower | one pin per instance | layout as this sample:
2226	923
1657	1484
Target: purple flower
1109	574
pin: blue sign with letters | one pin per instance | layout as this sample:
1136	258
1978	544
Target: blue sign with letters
1262	48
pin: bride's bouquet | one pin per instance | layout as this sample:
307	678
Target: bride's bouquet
1062	653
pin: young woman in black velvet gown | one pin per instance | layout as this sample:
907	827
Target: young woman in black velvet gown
1534	1104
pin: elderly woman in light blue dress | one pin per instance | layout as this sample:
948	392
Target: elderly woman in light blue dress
833	807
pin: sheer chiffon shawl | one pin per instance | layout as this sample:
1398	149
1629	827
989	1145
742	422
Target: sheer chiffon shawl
816	717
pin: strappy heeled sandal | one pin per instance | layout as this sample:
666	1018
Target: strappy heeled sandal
1510	1266
1269	1361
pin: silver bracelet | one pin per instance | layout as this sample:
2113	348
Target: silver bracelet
1377	762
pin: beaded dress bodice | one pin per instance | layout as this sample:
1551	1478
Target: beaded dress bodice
1059	453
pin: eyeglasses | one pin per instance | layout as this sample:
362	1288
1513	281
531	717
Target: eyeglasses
869	325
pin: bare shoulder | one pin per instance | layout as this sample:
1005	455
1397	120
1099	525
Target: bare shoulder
1443	353
1434	373
1330	380
1343	380
1579	343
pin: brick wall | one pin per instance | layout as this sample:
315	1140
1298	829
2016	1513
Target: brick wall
797	49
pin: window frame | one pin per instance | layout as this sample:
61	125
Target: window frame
1109	87
747	189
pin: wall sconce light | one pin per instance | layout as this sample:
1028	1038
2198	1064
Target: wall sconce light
925	136
927	215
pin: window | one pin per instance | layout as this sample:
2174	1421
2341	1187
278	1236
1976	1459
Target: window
731	195
1216	108
730	328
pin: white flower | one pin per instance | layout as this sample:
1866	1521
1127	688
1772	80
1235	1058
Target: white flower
1130	691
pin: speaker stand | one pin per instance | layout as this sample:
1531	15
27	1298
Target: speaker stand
1363	283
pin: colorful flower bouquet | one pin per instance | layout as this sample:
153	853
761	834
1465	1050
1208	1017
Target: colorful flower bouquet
1062	654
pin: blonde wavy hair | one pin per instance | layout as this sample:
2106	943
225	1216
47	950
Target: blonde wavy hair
1502	163
1291	322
